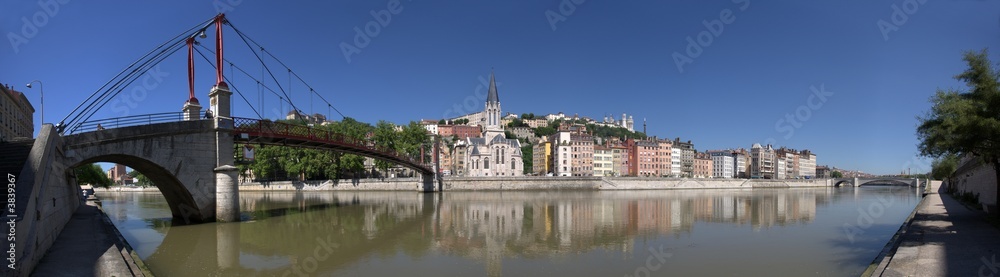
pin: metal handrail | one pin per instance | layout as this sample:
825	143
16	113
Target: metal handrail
126	121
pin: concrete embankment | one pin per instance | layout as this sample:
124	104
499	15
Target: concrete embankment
533	183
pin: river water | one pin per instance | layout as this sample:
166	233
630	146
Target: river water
762	232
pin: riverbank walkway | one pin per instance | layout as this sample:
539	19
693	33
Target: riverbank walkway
86	247
945	238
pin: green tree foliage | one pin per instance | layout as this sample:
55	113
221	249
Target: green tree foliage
517	122
544	131
273	162
412	138
265	164
836	174
385	135
442	122
509	135
350	165
92	174
944	166
966	122
140	180
555	124
619	132
527	156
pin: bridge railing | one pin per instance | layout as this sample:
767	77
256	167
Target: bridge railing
267	128
126	121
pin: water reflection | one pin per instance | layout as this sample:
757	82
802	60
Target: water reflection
513	233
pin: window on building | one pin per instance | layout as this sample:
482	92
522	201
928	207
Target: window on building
486	163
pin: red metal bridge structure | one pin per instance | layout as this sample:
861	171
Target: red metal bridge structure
248	131
266	132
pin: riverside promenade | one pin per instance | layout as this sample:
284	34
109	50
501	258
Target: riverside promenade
89	245
945	238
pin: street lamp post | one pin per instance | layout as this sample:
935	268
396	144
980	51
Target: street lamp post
41	93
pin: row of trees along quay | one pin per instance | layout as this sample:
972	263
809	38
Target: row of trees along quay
273	162
965	122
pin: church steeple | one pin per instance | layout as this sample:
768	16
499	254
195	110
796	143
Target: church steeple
492	97
492	111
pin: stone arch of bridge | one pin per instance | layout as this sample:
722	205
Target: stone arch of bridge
179	198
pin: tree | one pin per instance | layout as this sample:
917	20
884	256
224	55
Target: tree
411	138
385	136
352	130
92	174
944	166
527	156
517	122
618	132
544	131
265	163
442	122
836	174
140	180
509	135
966	123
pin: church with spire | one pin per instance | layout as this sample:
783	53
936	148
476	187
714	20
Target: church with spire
493	154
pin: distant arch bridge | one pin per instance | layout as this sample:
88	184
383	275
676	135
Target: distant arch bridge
885	181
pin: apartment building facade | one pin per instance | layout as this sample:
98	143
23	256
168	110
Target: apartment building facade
723	165
702	166
762	164
16	115
603	161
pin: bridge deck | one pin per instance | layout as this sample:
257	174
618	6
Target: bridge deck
263	132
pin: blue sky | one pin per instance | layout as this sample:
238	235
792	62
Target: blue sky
604	57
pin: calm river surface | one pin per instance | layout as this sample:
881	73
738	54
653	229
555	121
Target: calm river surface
763	232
